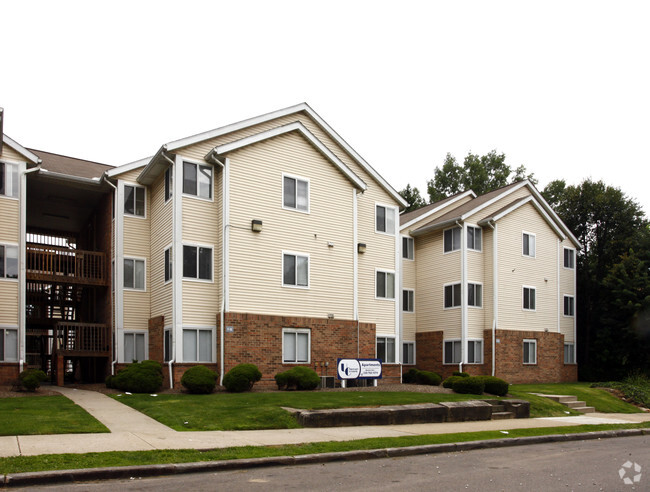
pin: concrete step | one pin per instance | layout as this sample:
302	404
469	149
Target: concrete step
561	398
585	409
502	415
498	408
574	404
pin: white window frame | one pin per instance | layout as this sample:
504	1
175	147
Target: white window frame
3	333
134	334
454	247
197	279
408	253
297	179
453	298
390	358
296	255
386	273
473	247
197	330
168	261
473	285
573	258
198	166
168	185
572	353
4	266
11	183
135	187
474	351
409	305
572	306
528	341
388	211
531	237
523	298
144	274
296	332
404	359
453	342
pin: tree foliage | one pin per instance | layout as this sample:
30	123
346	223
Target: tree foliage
413	197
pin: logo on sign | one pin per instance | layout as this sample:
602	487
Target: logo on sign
349	369
358	368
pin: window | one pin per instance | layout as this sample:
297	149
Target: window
528	244
452	295
452	353
569	306
197	262
569	258
386	350
475	351
408	352
134	200
569	353
134	347
385	219
169	183
197	180
295	193
529	298
8	261
474	236
167	347
530	351
169	261
295	270
408	300
133	274
296	344
407	248
8	345
475	295
452	239
385	285
197	345
8	179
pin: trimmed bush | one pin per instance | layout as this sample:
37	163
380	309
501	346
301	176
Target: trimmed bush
32	379
449	382
494	385
299	378
199	380
469	386
461	374
241	378
110	381
139	377
428	378
410	377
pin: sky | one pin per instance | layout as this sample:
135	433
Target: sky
562	87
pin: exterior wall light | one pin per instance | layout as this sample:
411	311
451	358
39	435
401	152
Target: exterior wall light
361	248
256	226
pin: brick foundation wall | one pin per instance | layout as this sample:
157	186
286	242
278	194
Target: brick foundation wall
157	338
9	372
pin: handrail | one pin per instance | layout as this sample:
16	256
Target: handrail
82	337
64	264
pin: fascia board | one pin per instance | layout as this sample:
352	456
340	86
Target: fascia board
30	156
125	168
556	218
437	209
493	200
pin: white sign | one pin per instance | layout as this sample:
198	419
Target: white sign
358	368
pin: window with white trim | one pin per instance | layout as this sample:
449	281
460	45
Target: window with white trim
407	248
295	193
569	353
197	345
385	284
529	298
197	262
134	200
384	219
386	349
8	345
451	239
169	183
197	180
9	183
475	351
452	352
408	300
569	306
528	244
296	345
134	347
569	258
474	238
475	295
530	351
452	296
169	262
295	270
408	353
134	271
8	261
167	344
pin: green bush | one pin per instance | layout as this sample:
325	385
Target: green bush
410	377
469	386
299	377
31	379
494	385
241	378
139	377
449	382
428	378
199	380
110	381
461	374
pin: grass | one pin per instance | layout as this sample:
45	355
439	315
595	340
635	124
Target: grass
45	415
19	464
635	387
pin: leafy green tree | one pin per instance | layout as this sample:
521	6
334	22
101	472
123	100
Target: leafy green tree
413	197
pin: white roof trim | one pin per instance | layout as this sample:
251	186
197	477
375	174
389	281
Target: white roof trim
437	209
530	199
125	168
291	127
20	149
555	217
494	200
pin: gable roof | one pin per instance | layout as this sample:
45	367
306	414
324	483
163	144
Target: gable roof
28	155
70	166
423	212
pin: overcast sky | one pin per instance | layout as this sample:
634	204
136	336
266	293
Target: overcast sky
561	87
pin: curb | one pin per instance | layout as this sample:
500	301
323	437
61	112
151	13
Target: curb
89	474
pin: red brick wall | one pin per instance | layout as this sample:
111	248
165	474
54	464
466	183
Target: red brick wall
9	372
156	338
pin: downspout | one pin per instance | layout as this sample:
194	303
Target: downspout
172	358
560	299
463	295
355	268
113	287
495	293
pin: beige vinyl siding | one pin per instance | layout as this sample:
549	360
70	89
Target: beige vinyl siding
10	154
9	302
409	282
9	220
567	288
498	205
256	177
161	238
130	176
488	278
445	209
476	320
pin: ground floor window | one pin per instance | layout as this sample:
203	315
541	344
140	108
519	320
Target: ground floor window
296	345
475	351
386	349
452	351
408	352
134	347
569	353
530	351
197	345
168	345
8	345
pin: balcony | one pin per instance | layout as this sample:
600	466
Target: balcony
82	339
64	265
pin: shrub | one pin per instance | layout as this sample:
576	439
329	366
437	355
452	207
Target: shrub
461	374
299	377
429	378
110	381
241	378
410	377
139	377
31	379
470	385
449	382
494	385
199	380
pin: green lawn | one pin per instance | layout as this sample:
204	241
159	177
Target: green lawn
45	415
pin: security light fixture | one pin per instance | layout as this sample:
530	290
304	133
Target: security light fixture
256	225
361	248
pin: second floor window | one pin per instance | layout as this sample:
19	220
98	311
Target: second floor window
474	235
133	274
295	270
385	288
569	258
528	244
134	200
529	298
452	239
8	179
8	261
295	193
197	180
452	295
197	262
384	219
169	260
407	248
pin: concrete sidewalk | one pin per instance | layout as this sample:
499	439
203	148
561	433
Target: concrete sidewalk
134	431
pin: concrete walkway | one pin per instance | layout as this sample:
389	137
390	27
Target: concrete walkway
134	431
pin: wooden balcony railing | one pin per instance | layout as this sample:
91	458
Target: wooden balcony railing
72	338
56	264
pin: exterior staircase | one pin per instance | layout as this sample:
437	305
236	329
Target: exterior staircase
570	401
499	411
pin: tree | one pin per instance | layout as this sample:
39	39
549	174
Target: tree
478	173
413	197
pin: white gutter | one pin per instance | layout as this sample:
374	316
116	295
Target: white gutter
355	266
463	295
112	277
560	299
398	292
177	252
495	292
